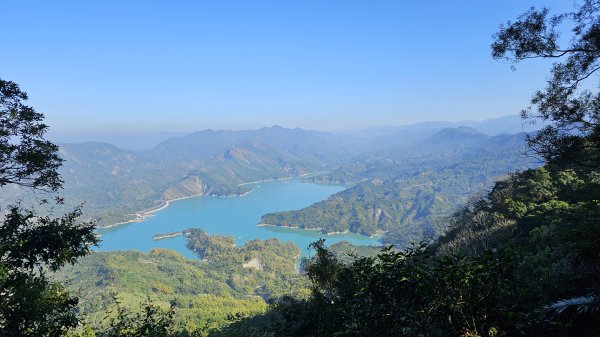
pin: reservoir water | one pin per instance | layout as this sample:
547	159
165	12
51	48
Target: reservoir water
231	216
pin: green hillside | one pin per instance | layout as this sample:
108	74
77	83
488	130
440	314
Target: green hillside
407	200
227	280
521	260
115	183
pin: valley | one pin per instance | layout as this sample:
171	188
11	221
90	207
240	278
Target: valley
219	223
117	185
388	189
300	169
236	217
213	195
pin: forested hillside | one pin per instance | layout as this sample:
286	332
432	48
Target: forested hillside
118	185
488	229
406	192
522	260
225	280
115	183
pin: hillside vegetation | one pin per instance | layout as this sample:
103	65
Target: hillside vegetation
521	260
118	185
224	281
404	192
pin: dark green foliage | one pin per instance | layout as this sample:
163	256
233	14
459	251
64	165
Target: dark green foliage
30	243
30	303
323	268
413	293
522	260
551	216
408	293
152	321
34	306
26	158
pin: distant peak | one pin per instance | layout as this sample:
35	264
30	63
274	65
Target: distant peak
466	130
462	133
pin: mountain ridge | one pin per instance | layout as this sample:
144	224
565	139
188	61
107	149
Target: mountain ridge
117	183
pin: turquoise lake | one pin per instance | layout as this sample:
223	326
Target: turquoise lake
231	216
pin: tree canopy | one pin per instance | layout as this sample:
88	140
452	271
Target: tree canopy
26	158
570	101
31	243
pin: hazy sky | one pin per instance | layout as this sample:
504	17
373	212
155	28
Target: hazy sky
186	65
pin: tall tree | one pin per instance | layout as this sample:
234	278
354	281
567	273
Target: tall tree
30	243
570	102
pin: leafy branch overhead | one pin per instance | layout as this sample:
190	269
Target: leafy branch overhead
567	102
26	158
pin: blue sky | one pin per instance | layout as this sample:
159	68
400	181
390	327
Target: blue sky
149	66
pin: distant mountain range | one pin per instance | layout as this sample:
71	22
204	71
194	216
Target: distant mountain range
393	168
143	140
493	127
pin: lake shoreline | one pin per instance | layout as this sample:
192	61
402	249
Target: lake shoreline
166	236
143	215
229	217
283	178
320	229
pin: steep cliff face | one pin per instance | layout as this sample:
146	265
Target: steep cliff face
189	186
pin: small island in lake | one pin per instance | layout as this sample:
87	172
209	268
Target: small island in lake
169	235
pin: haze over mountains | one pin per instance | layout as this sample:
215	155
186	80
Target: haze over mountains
399	183
396	175
143	140
402	191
